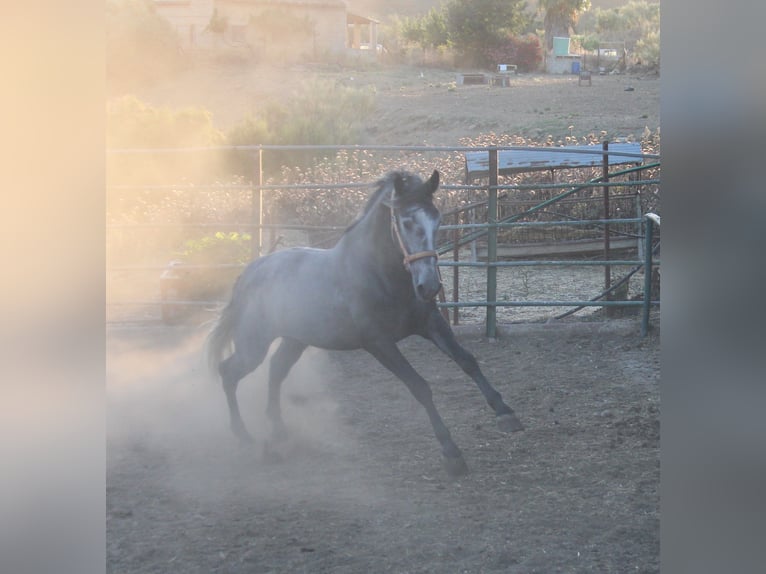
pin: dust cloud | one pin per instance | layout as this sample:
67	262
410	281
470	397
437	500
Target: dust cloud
167	421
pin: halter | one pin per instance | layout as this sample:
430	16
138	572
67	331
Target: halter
408	257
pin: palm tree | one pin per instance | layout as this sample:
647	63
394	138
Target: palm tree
560	16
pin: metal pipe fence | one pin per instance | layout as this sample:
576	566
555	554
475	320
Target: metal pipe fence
457	234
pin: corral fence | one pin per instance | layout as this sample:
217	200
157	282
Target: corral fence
180	227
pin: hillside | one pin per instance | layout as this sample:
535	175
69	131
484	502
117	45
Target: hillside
423	105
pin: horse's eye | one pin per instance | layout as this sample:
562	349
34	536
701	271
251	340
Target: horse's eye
407	225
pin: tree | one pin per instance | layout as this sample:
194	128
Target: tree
637	23
429	31
560	16
474	26
411	30
629	22
141	47
435	28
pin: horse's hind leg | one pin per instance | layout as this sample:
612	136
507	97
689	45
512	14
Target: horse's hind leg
284	358
391	358
438	331
232	370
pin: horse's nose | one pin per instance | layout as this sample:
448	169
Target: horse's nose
427	291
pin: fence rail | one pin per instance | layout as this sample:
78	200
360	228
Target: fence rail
455	234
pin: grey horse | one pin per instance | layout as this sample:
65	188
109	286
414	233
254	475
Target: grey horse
375	287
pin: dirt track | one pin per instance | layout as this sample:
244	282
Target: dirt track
361	488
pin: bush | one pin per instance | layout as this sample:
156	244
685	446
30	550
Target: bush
131	123
321	113
217	249
525	51
475	25
647	51
220	247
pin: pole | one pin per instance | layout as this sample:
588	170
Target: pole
456	272
647	273
257	208
605	176
492	245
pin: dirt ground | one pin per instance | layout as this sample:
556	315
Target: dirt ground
360	487
416	105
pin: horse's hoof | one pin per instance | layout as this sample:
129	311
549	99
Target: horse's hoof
509	423
271	456
280	435
455	466
244	438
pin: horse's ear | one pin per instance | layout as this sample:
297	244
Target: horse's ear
433	182
398	183
397	180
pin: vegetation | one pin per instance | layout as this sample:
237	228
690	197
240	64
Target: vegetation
638	24
526	52
220	248
470	28
478	31
132	123
476	25
321	113
428	32
316	204
213	188
141	47
560	17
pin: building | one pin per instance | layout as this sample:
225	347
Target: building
560	60
190	20
287	29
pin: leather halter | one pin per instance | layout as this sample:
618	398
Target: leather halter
408	257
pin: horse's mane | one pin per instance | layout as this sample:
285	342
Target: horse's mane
382	189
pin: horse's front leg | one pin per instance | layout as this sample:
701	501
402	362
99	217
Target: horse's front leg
440	333
390	357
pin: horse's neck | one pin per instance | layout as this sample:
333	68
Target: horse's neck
372	237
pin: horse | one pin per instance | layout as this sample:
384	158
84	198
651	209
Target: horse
375	287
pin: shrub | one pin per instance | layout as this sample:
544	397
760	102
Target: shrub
525	51
217	249
220	247
647	51
131	123
475	25
321	113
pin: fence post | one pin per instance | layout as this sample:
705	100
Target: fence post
650	219
456	270
492	245
256	209
605	176
639	242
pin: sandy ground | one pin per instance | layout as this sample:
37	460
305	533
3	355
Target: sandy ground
361	487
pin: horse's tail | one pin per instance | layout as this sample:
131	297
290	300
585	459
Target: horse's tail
219	340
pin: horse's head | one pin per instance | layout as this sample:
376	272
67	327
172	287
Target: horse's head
414	224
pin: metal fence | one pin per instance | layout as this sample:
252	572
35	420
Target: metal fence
145	245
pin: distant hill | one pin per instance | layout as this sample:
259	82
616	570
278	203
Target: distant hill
381	9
